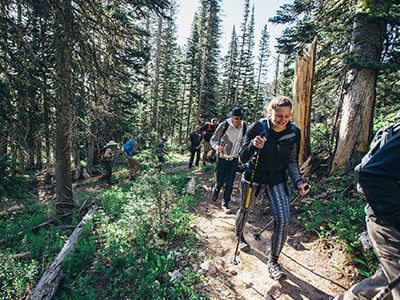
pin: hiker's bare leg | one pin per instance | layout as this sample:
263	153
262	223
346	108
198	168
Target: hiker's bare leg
204	156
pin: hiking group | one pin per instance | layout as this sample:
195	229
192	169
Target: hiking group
269	151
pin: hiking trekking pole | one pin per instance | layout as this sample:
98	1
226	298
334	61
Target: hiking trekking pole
386	290
247	203
212	184
257	235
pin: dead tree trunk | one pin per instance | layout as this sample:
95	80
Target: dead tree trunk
48	284
302	93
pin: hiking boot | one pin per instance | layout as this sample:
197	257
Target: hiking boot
226	210
243	245
275	271
190	167
214	196
204	163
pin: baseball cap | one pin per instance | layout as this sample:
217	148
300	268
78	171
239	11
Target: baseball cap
140	137
237	112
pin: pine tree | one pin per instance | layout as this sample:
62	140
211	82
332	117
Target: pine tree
247	95
242	47
210	24
230	66
263	57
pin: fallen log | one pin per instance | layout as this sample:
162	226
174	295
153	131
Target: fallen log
48	284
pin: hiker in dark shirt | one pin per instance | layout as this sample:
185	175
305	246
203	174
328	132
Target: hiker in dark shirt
208	130
379	179
195	141
271	158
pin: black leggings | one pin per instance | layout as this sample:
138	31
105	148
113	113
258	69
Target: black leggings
280	206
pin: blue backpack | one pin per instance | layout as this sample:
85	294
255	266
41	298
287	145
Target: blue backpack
128	146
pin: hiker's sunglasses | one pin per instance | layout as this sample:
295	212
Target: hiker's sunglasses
239	118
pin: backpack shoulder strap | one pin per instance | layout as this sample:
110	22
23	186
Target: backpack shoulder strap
244	129
226	125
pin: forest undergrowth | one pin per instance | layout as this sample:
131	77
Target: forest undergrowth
142	243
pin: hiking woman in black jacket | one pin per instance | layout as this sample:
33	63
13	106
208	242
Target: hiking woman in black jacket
277	156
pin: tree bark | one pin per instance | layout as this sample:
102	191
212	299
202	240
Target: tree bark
302	95
89	165
359	86
64	192
157	71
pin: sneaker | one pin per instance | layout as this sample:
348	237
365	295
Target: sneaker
243	245
275	271
226	210
214	196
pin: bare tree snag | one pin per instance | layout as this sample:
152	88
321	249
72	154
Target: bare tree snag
302	94
48	284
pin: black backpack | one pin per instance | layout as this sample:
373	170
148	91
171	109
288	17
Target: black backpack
226	125
382	136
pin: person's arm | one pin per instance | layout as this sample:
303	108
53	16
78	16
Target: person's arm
293	167
190	140
203	128
379	179
201	142
248	148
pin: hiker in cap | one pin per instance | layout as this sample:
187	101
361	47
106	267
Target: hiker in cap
379	180
161	149
208	130
107	161
267	162
195	140
132	148
227	140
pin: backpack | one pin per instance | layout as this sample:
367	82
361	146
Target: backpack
381	137
226	125
265	127
128	146
209	127
100	154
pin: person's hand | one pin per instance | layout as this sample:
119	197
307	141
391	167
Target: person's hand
219	149
303	189
258	142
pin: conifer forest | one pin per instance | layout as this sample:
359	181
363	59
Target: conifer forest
79	75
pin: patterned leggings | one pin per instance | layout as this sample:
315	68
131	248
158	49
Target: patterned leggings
280	206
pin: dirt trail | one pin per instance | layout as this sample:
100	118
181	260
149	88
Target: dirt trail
307	260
